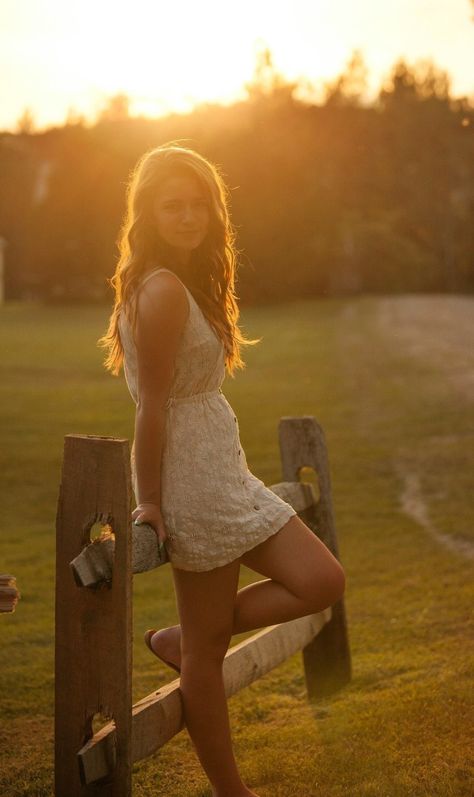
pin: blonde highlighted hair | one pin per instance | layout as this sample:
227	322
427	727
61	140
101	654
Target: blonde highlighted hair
211	277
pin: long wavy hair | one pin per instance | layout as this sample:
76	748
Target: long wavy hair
211	274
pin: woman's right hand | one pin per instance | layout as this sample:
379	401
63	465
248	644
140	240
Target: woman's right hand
147	512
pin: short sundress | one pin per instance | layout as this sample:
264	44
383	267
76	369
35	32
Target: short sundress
213	507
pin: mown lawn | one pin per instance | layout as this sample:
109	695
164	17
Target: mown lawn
391	380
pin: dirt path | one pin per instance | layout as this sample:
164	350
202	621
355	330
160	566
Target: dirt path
436	334
438	330
414	505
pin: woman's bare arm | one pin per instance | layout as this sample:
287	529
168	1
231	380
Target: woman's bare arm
162	312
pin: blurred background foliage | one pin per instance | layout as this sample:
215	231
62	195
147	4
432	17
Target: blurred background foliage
329	198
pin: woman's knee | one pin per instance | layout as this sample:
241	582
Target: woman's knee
337	580
326	588
210	644
206	604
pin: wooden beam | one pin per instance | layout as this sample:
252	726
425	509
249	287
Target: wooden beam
159	716
95	562
300	495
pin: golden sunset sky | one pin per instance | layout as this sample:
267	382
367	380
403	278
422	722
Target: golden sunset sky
58	56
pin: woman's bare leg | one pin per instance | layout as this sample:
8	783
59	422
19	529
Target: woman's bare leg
303	578
205	603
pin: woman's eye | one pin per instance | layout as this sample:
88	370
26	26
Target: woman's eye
173	207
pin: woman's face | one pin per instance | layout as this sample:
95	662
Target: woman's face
182	213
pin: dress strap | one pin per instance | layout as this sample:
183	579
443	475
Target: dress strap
150	274
161	268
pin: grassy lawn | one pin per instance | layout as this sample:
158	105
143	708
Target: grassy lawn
391	380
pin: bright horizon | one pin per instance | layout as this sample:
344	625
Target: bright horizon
62	58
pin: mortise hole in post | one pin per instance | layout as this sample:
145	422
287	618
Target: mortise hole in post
100	719
94	723
308	475
100	530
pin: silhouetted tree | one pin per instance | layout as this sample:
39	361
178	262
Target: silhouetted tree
348	88
26	122
116	109
268	83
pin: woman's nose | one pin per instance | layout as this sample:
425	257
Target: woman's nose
187	214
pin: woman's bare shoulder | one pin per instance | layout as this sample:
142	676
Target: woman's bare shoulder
162	312
163	296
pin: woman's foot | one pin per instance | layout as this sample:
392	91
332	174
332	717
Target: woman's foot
166	644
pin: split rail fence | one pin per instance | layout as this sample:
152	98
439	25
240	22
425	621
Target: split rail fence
93	624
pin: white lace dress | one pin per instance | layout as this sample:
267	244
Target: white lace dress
213	507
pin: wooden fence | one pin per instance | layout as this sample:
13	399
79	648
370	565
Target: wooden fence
93	648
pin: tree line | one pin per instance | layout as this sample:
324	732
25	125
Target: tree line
329	197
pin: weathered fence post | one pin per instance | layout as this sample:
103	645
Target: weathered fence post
327	660
93	649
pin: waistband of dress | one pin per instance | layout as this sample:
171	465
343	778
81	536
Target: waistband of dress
192	398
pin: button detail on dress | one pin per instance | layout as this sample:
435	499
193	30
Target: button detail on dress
256	506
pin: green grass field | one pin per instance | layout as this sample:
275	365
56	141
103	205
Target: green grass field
391	380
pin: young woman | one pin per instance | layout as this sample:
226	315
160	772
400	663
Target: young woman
174	328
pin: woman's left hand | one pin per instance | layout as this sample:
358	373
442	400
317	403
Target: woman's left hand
147	512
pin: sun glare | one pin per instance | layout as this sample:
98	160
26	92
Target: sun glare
166	60
168	57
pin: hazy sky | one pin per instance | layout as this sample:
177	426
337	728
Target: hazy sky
57	55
